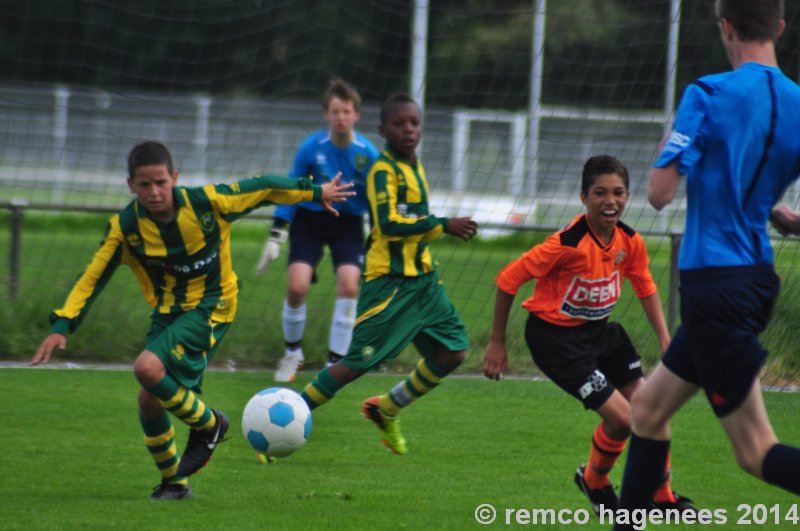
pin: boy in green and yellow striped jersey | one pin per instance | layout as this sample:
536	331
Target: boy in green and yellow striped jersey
402	299
177	242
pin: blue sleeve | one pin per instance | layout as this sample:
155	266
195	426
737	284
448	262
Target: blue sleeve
686	142
300	168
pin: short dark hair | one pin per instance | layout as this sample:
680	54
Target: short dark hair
338	88
148	153
395	99
753	20
602	165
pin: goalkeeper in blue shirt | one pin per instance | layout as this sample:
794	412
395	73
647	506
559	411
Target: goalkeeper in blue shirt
336	149
176	240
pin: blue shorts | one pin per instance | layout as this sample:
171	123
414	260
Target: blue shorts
723	310
310	231
588	361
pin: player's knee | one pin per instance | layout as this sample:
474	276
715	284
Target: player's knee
148	369
149	405
451	360
643	418
296	295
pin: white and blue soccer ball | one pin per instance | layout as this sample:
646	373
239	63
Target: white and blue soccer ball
276	421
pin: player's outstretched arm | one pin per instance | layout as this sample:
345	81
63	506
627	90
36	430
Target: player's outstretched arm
785	220
495	360
45	350
464	228
335	192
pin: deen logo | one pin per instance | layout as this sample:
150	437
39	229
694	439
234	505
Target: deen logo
591	299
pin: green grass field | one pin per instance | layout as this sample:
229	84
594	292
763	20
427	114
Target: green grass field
57	246
73	458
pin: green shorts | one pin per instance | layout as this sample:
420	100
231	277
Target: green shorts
185	343
394	311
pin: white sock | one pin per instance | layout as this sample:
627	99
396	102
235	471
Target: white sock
294	322
344	317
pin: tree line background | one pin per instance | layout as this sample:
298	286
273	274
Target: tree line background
598	52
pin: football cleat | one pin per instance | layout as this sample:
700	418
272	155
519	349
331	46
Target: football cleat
291	362
602	498
171	491
681	503
390	426
201	445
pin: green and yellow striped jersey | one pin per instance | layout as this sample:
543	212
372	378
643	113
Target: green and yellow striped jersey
183	264
401	225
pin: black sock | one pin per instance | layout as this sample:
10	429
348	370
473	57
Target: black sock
644	472
781	467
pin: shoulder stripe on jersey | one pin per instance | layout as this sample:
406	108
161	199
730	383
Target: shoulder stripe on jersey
572	236
706	88
627	229
773	120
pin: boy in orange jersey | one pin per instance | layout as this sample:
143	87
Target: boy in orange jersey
578	274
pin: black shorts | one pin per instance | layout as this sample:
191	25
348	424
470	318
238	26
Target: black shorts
310	231
723	309
588	361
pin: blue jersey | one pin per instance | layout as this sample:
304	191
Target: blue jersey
737	140
320	158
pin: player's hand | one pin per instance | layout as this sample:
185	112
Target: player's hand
785	220
335	192
46	348
272	248
495	361
464	228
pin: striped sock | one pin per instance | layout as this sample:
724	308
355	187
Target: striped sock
159	437
425	376
604	454
321	389
184	404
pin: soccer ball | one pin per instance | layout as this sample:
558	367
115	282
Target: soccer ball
276	421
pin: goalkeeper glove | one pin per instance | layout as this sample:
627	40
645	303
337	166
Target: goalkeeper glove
272	247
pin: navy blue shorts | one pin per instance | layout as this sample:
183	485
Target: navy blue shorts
310	231
723	310
588	361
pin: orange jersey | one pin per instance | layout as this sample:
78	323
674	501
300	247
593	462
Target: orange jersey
578	279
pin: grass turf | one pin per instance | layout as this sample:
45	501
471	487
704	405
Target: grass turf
74	458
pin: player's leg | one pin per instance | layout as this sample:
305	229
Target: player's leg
663	393
376	339
346	242
159	438
294	320
344	311
171	369
442	341
757	448
305	251
569	357
622	365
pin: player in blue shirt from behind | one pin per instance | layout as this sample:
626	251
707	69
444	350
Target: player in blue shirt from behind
735	141
337	149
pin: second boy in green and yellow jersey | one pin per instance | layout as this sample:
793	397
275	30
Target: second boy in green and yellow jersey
402	299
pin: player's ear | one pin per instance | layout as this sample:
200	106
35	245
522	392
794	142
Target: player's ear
382	131
174	176
781	27
130	185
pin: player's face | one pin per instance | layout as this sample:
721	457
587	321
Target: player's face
605	201
403	129
153	186
341	115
